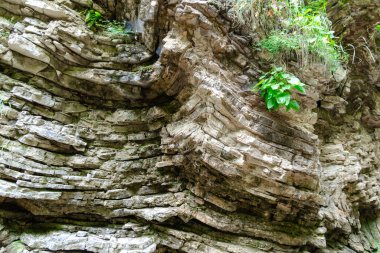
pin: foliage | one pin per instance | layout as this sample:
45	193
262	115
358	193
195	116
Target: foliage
377	28
115	27
279	42
4	34
296	30
276	86
93	18
307	33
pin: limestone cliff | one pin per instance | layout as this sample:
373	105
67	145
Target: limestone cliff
155	143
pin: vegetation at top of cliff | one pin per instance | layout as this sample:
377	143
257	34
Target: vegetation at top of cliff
291	31
276	86
301	31
307	34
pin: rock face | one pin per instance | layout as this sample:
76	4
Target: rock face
115	144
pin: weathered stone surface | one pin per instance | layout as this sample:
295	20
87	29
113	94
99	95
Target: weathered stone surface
108	144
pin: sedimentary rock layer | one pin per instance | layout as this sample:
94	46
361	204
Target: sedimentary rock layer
155	143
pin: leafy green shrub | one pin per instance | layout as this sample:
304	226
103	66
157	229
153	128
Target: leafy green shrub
276	86
93	18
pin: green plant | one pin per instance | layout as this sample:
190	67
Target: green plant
377	28
304	32
4	34
279	42
276	86
93	18
115	27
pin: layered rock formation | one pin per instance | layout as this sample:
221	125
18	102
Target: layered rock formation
155	143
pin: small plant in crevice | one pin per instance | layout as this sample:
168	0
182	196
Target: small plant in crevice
276	87
93	18
4	34
115	27
95	21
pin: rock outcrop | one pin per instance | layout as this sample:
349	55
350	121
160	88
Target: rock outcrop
155	143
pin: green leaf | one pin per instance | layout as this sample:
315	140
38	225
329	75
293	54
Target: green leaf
307	11
378	28
270	102
275	86
272	93
88	16
283	99
294	80
285	88
91	23
98	15
261	82
299	88
293	105
266	85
